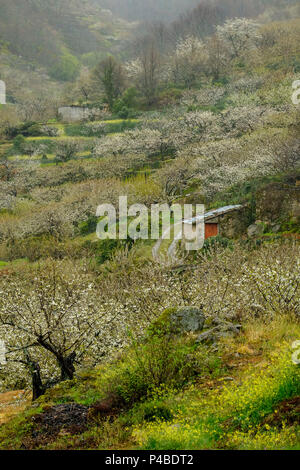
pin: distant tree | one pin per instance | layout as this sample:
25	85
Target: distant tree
145	72
8	120
65	151
36	109
7	170
160	33
108	76
66	69
281	44
217	57
189	61
83	90
84	85
150	73
239	35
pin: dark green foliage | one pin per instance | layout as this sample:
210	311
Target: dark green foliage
35	130
66	69
115	127
103	250
245	192
73	130
156	411
109	79
124	106
215	242
88	226
221	81
160	361
296	64
217	108
108	247
124	112
19	142
27	129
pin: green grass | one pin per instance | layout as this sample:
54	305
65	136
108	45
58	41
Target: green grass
57	138
211	412
14	263
231	416
110	127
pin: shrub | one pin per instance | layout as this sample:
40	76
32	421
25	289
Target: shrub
65	151
123	113
213	243
89	226
102	250
120	126
50	131
169	97
157	411
19	142
158	364
67	68
35	130
27	129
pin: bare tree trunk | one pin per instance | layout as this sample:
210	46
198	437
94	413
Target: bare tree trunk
66	365
38	388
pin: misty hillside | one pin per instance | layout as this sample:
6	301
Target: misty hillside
117	330
148	10
170	10
61	36
57	34
49	31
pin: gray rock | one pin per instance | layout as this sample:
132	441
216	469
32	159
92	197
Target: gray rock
208	336
276	228
224	330
188	319
255	230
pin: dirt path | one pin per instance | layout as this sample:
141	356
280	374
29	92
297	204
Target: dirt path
12	403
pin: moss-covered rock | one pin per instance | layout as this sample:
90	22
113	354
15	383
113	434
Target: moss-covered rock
179	320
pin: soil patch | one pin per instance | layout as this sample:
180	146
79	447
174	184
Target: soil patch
69	418
287	412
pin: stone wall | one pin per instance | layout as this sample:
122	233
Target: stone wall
2	92
234	224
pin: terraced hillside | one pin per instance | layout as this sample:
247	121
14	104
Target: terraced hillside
123	351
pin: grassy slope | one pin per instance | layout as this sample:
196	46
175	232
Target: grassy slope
241	402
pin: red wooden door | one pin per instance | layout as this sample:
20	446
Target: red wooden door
211	230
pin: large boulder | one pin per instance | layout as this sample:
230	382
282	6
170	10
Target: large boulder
178	321
256	230
188	319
